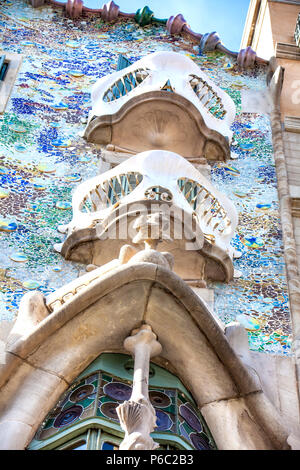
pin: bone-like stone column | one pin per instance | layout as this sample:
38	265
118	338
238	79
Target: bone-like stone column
137	415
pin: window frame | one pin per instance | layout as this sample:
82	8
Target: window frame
14	62
106	431
116	365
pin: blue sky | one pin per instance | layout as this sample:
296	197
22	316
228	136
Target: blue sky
227	17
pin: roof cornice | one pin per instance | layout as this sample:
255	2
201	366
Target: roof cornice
109	12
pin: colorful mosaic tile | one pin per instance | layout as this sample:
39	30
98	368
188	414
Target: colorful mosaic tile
43	157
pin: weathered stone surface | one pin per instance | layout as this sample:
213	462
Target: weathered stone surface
265	413
9	364
134	127
237	337
277	375
234	427
5	328
210	326
186	346
12	435
137	415
85	298
290	249
207	295
26	398
102	326
32	311
294	441
153	256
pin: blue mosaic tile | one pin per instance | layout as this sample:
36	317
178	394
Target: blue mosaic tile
42	158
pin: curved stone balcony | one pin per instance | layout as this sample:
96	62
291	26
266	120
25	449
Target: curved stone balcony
163	101
157	192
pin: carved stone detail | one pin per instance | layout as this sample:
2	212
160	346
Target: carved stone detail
137	415
163	109
152	228
32	311
209	42
74	8
137	419
110	11
175	24
166	121
246	58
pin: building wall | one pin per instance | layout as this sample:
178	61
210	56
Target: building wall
269	33
283	18
41	146
263	47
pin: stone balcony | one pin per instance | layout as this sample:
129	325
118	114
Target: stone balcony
163	192
163	101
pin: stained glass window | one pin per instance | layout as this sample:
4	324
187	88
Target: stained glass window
90	404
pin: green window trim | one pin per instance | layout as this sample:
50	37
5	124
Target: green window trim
108	431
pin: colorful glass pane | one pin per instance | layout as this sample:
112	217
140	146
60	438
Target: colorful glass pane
109	446
175	412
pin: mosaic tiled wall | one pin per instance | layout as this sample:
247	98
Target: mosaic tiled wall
43	158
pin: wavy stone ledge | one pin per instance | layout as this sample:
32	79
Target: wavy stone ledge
159	120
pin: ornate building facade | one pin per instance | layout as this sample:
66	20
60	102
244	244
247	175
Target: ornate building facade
149	276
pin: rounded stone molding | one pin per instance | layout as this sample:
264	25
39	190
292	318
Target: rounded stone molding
74	8
175	24
110	11
246	58
209	42
153	256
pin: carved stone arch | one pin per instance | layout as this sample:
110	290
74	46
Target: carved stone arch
41	364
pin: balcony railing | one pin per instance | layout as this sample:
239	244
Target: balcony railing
168	71
208	96
125	84
159	175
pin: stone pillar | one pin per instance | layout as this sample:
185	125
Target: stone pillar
137	415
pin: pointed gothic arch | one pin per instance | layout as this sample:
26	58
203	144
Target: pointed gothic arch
96	319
